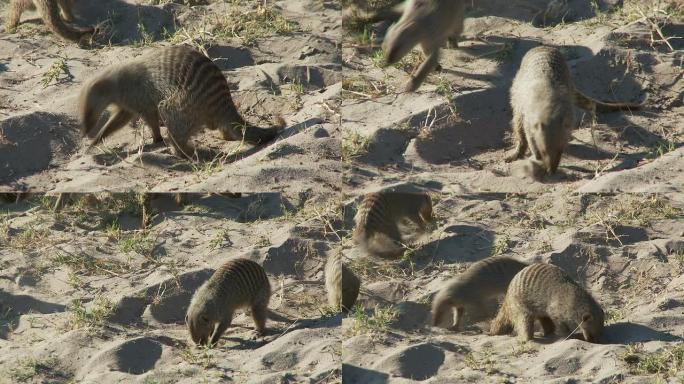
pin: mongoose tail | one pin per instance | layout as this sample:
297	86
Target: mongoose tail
592	105
49	10
275	316
254	134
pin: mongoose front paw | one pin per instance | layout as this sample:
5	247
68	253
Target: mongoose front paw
512	156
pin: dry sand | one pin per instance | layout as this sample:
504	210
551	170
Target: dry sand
87	295
289	66
627	250
84	300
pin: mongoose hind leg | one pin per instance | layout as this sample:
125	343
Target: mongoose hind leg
520	140
179	134
118	119
259	315
547	325
524	326
152	120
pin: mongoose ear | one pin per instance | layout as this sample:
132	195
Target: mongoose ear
186	319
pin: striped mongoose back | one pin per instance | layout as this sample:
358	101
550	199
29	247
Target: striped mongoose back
49	11
544	292
429	23
341	284
177	85
484	280
543	98
379	214
236	284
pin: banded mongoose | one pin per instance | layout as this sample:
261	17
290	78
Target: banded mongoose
484	280
544	292
377	230
236	284
49	11
341	284
542	99
177	85
429	23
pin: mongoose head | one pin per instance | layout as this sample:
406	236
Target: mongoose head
201	321
592	326
441	308
408	31
553	145
94	99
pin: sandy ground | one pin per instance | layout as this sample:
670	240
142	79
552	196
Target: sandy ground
288	65
454	131
627	250
87	296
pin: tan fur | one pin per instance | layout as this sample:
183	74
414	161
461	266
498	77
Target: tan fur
53	12
485	280
177	85
341	284
543	98
544	292
236	284
378	217
429	23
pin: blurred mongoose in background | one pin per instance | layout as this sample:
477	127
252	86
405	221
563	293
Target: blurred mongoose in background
377	230
236	284
49	11
544	292
177	85
429	23
542	99
484	280
341	284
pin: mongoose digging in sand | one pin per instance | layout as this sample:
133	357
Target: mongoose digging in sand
236	284
341	284
485	280
49	11
377	230
177	85
544	292
429	23
542	99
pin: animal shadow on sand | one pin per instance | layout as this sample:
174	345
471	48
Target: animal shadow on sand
13	306
126	23
629	333
354	374
460	243
35	131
